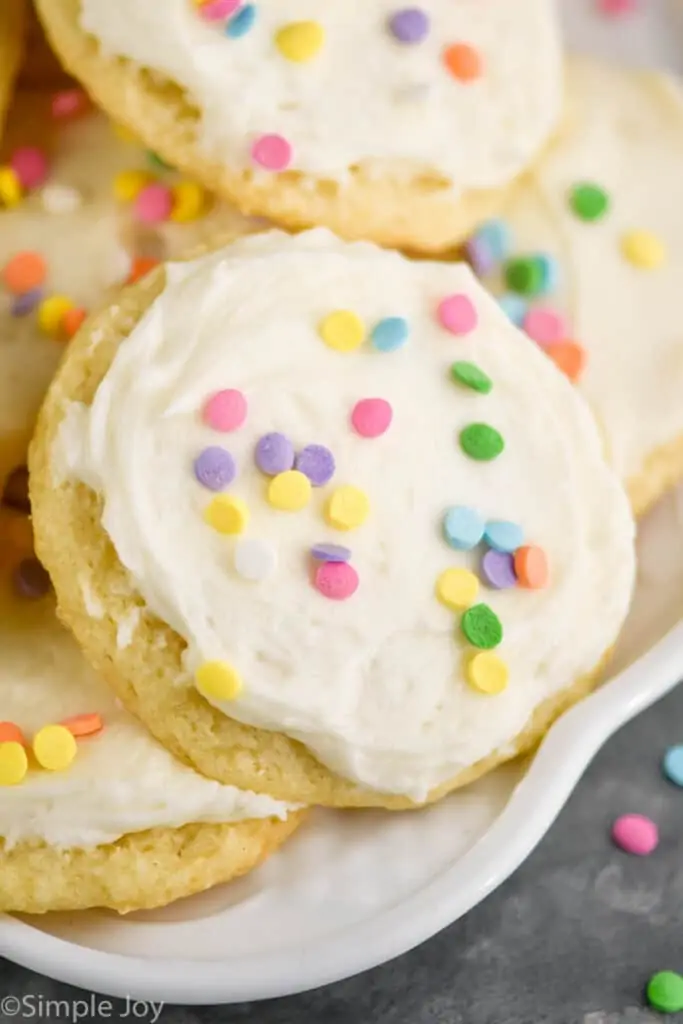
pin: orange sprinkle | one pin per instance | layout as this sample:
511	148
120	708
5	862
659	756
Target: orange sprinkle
24	272
464	62
83	725
72	320
141	266
568	356
11	733
531	567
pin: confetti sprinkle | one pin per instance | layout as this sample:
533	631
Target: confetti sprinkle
289	491
84	725
272	152
672	764
457	314
498	569
13	763
464	62
274	454
347	508
11	733
330	553
390	334
643	249
545	326
524	276
31	166
487	673
342	330
255	559
24	272
371	417
634	833
514	307
59	199
225	411
502	535
215	468
471	376
300	41
188	202
51	313
154	203
481	442
489	246
409	25
482	627
457	588
317	463
589	201
30	579
54	747
217	680
227	514
128	185
69	103
72	321
616	8
336	580
10	188
463	527
26	303
569	357
218	10
531	567
140	267
241	22
665	992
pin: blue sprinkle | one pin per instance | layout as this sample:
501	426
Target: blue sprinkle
502	535
26	303
498	238
330	553
514	307
672	765
242	22
390	334
463	527
551	272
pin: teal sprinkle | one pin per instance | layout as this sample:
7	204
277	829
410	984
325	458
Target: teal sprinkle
242	22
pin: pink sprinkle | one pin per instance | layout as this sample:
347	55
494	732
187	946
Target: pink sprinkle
616	8
336	580
371	417
226	410
272	152
154	203
457	314
218	10
30	166
69	103
635	834
545	326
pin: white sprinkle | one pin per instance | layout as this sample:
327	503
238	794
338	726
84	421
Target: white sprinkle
61	198
255	559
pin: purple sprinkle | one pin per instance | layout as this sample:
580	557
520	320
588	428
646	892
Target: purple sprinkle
215	468
317	463
479	255
26	303
498	568
409	25
274	454
30	579
330	553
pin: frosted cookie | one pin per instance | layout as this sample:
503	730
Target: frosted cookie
11	51
367	527
409	144
93	811
590	261
88	211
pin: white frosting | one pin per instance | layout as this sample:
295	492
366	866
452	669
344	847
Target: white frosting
365	100
625	134
374	685
121	781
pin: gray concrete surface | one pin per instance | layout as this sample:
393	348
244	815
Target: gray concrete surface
570	939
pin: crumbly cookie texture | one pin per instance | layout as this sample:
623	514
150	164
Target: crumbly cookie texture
398	554
603	215
12	27
425	200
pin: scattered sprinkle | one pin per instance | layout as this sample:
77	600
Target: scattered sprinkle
227	514
634	833
336	580
481	442
498	569
342	330
141	266
83	725
463	527
154	203
128	185
482	627
255	559
672	765
589	201
409	25
457	314
317	463
524	275
13	763
26	303
188	202
390	334
11	733
371	417
69	103
300	41
514	307
24	272
274	454
347	508
643	249
218	10
225	411
665	992
531	567
457	588
30	165
58	198
289	491
545	326
272	152
10	188
487	673
215	468
30	579
464	62
51	313
72	321
217	680
489	246
54	747
569	357
502	535
471	376
241	22
616	8
330	553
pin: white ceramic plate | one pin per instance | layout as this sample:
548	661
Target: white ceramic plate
352	891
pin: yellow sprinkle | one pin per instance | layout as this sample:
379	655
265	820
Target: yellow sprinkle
487	673
347	508
300	40
218	681
10	188
51	313
643	249
342	330
457	588
129	184
13	763
227	514
189	201
54	747
289	491
123	133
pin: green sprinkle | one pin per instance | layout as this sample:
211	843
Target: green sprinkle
482	627
589	201
665	991
481	442
524	275
156	161
472	377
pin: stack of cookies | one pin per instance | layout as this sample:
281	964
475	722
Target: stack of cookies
341	343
